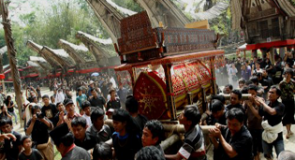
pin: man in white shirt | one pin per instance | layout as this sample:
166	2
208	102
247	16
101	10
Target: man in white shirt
87	112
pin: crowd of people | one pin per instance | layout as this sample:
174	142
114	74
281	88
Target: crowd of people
246	125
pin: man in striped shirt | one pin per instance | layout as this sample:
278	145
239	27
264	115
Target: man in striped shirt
193	146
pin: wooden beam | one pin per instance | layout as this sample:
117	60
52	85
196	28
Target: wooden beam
12	56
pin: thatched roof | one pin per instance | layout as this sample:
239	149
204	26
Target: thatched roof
60	56
79	53
121	9
100	48
38	49
288	7
34	46
3	50
212	13
41	61
33	64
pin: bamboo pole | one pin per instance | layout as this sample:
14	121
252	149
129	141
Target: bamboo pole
11	55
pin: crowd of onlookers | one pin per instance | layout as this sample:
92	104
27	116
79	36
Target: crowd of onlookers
102	121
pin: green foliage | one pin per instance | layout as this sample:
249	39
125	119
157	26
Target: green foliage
129	4
61	20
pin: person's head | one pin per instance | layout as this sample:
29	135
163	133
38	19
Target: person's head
219	97
26	142
45	99
70	107
8	97
79	126
288	73
235	97
235	120
6	125
79	91
60	106
254	80
149	153
112	93
242	83
97	118
252	89
62	138
91	84
86	107
228	89
52	98
255	58
3	108
217	108
122	121
131	105
274	93
257	65
190	117
35	109
286	155
93	92
153	133
102	151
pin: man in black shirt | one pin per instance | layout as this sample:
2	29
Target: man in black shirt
272	112
114	102
82	138
132	107
49	110
193	147
235	100
38	127
218	113
153	134
11	148
233	142
64	142
97	100
98	128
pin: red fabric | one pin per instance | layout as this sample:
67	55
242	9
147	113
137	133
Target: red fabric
2	76
68	150
288	42
89	70
32	75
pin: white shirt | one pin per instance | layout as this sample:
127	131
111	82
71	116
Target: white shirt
88	120
59	97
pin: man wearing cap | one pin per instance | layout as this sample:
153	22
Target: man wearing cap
71	113
64	142
48	110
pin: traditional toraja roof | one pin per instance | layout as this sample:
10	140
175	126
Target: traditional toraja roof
101	48
41	61
212	13
33	64
3	50
287	6
79	53
164	11
121	9
38	59
34	46
38	49
108	16
60	56
284	6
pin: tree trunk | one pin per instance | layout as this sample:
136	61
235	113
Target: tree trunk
12	56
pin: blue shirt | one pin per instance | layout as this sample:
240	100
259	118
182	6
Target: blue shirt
81	99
